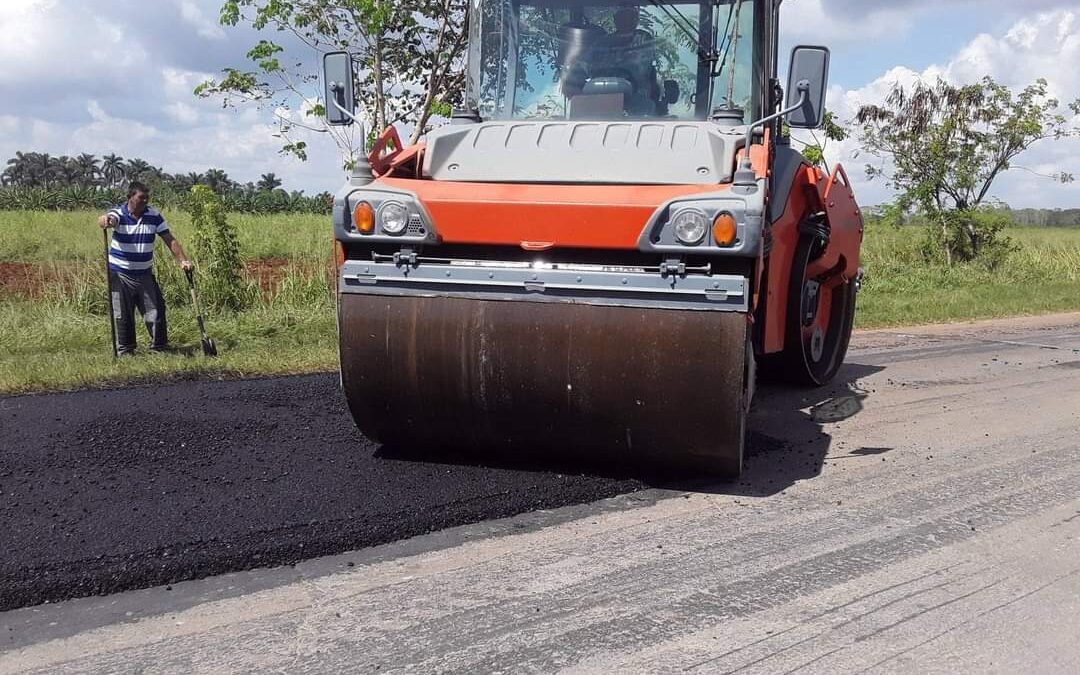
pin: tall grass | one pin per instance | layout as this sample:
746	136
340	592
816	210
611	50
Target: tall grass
1042	275
61	339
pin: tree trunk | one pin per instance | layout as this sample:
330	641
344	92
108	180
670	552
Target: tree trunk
380	97
973	236
945	238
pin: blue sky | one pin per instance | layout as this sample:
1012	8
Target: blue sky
116	76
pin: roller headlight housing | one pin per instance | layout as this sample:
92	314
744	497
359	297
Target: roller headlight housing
691	226
393	217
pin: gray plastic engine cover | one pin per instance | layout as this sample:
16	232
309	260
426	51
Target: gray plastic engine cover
632	153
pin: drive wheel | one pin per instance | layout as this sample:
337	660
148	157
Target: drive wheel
820	315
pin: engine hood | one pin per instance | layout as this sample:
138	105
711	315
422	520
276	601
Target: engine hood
583	152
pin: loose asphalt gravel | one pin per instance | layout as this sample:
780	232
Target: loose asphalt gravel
104	491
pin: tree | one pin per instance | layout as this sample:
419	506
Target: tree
268	181
409	55
831	130
66	170
217	180
88	169
112	169
947	145
137	169
18	168
218	251
42	169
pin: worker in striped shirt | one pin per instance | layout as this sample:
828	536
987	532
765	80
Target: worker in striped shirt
136	227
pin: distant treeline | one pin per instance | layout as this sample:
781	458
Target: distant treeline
82	199
1016	217
1045	217
38	181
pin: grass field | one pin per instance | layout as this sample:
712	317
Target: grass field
54	332
1042	276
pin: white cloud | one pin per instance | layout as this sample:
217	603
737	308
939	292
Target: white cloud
1033	47
814	21
91	48
206	27
100	78
182	113
858	21
9	125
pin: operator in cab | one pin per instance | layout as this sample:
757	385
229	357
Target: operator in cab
632	49
623	61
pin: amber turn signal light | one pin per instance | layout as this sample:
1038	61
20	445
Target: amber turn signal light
725	229
339	254
364	218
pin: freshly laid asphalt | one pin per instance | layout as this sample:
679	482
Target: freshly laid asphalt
105	491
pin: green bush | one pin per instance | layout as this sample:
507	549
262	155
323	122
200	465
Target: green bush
217	252
969	235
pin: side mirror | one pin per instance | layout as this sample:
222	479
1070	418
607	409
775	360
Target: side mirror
338	83
809	73
671	92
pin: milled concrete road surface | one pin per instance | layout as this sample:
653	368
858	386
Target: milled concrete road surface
922	515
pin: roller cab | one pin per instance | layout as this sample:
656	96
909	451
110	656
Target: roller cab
604	244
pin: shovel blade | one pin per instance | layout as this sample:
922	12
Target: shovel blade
208	347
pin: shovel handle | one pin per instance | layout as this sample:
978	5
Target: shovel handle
109	293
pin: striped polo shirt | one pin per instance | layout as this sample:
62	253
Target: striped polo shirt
132	248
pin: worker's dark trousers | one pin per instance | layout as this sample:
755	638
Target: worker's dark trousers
137	291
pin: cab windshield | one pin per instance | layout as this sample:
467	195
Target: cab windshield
604	59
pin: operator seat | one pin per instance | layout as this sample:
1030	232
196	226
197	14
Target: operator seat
608	75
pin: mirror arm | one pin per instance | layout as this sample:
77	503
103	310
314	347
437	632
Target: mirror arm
804	91
745	174
336	88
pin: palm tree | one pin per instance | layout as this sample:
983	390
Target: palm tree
88	168
66	170
188	180
217	180
42	169
268	181
18	168
181	182
112	168
136	169
155	174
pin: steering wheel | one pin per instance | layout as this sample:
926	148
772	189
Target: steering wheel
623	73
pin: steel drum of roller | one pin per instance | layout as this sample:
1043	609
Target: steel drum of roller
666	386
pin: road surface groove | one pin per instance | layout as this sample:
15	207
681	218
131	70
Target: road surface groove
920	515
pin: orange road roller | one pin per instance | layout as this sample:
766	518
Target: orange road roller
604	246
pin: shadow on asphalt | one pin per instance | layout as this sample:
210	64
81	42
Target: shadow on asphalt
789	437
786	443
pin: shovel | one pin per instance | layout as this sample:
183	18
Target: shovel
109	292
208	346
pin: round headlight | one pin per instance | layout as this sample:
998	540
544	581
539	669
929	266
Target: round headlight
393	217
690	226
